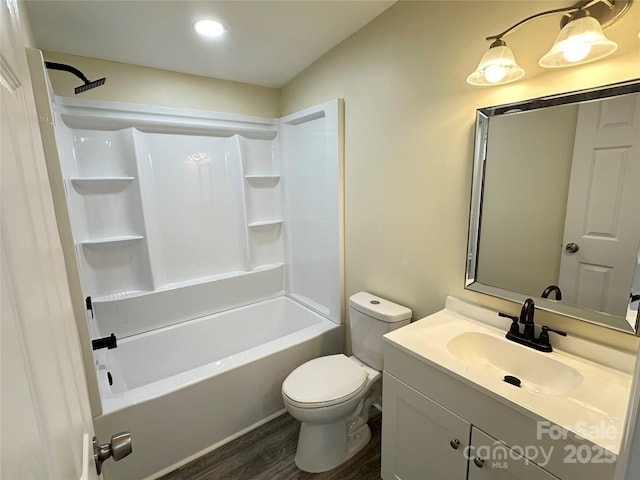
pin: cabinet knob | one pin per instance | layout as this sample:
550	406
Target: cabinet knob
479	462
455	443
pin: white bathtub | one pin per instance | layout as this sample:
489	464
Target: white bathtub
186	389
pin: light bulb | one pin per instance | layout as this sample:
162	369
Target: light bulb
209	28
575	50
495	73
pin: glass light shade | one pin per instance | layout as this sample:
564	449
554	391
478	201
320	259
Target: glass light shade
580	41
498	66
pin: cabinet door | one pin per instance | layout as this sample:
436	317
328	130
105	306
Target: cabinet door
493	460
420	438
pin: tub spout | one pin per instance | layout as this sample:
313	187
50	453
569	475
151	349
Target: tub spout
105	342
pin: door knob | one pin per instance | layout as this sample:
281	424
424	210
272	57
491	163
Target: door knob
118	448
479	462
572	247
455	443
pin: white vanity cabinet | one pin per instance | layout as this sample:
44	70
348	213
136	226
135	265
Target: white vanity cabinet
428	412
422	439
420	436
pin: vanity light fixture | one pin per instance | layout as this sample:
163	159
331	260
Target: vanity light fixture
497	66
580	41
209	28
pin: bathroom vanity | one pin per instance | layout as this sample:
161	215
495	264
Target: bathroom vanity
449	414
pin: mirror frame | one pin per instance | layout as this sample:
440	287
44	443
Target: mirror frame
483	116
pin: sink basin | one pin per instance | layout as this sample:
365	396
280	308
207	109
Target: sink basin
538	372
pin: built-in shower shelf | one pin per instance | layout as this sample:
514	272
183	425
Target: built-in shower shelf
268	180
100	184
136	310
265	223
111	240
119	296
270	266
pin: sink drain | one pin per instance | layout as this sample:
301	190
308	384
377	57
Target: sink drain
515	381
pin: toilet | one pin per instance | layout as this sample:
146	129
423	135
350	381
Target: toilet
332	395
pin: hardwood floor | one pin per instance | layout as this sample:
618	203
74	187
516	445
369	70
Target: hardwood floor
267	453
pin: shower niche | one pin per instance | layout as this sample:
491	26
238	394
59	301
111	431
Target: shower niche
176	214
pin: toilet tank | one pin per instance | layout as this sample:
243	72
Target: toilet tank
370	317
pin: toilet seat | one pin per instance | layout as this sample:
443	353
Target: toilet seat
324	381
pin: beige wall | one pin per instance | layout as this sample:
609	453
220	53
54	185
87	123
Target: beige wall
136	84
409	118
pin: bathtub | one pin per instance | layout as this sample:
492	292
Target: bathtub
189	388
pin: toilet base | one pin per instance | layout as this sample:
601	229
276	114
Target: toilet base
324	447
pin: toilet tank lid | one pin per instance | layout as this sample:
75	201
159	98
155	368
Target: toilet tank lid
379	308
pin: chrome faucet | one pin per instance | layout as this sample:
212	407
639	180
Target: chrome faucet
528	335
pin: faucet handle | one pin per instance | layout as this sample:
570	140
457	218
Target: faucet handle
515	328
513	318
544	335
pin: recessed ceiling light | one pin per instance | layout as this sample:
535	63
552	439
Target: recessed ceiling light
209	28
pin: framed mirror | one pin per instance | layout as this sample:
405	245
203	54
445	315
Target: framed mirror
555	210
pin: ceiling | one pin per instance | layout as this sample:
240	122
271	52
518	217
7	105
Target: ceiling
267	42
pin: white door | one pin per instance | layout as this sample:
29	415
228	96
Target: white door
603	213
46	426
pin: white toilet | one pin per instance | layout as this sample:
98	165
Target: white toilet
332	395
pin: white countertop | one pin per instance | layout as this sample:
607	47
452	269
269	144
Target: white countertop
595	409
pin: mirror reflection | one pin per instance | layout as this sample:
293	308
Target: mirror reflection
556	204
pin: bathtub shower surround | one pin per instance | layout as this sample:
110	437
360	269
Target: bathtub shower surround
210	244
163	199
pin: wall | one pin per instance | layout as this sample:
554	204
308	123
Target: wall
409	118
636	277
133	83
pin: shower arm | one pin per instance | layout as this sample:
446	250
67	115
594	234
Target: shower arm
67	68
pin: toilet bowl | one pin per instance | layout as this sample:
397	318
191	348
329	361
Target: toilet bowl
331	396
334	422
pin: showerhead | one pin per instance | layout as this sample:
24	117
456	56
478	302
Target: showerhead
68	68
90	85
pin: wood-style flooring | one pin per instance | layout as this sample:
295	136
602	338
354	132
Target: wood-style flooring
267	453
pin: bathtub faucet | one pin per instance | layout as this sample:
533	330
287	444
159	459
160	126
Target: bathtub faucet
105	342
